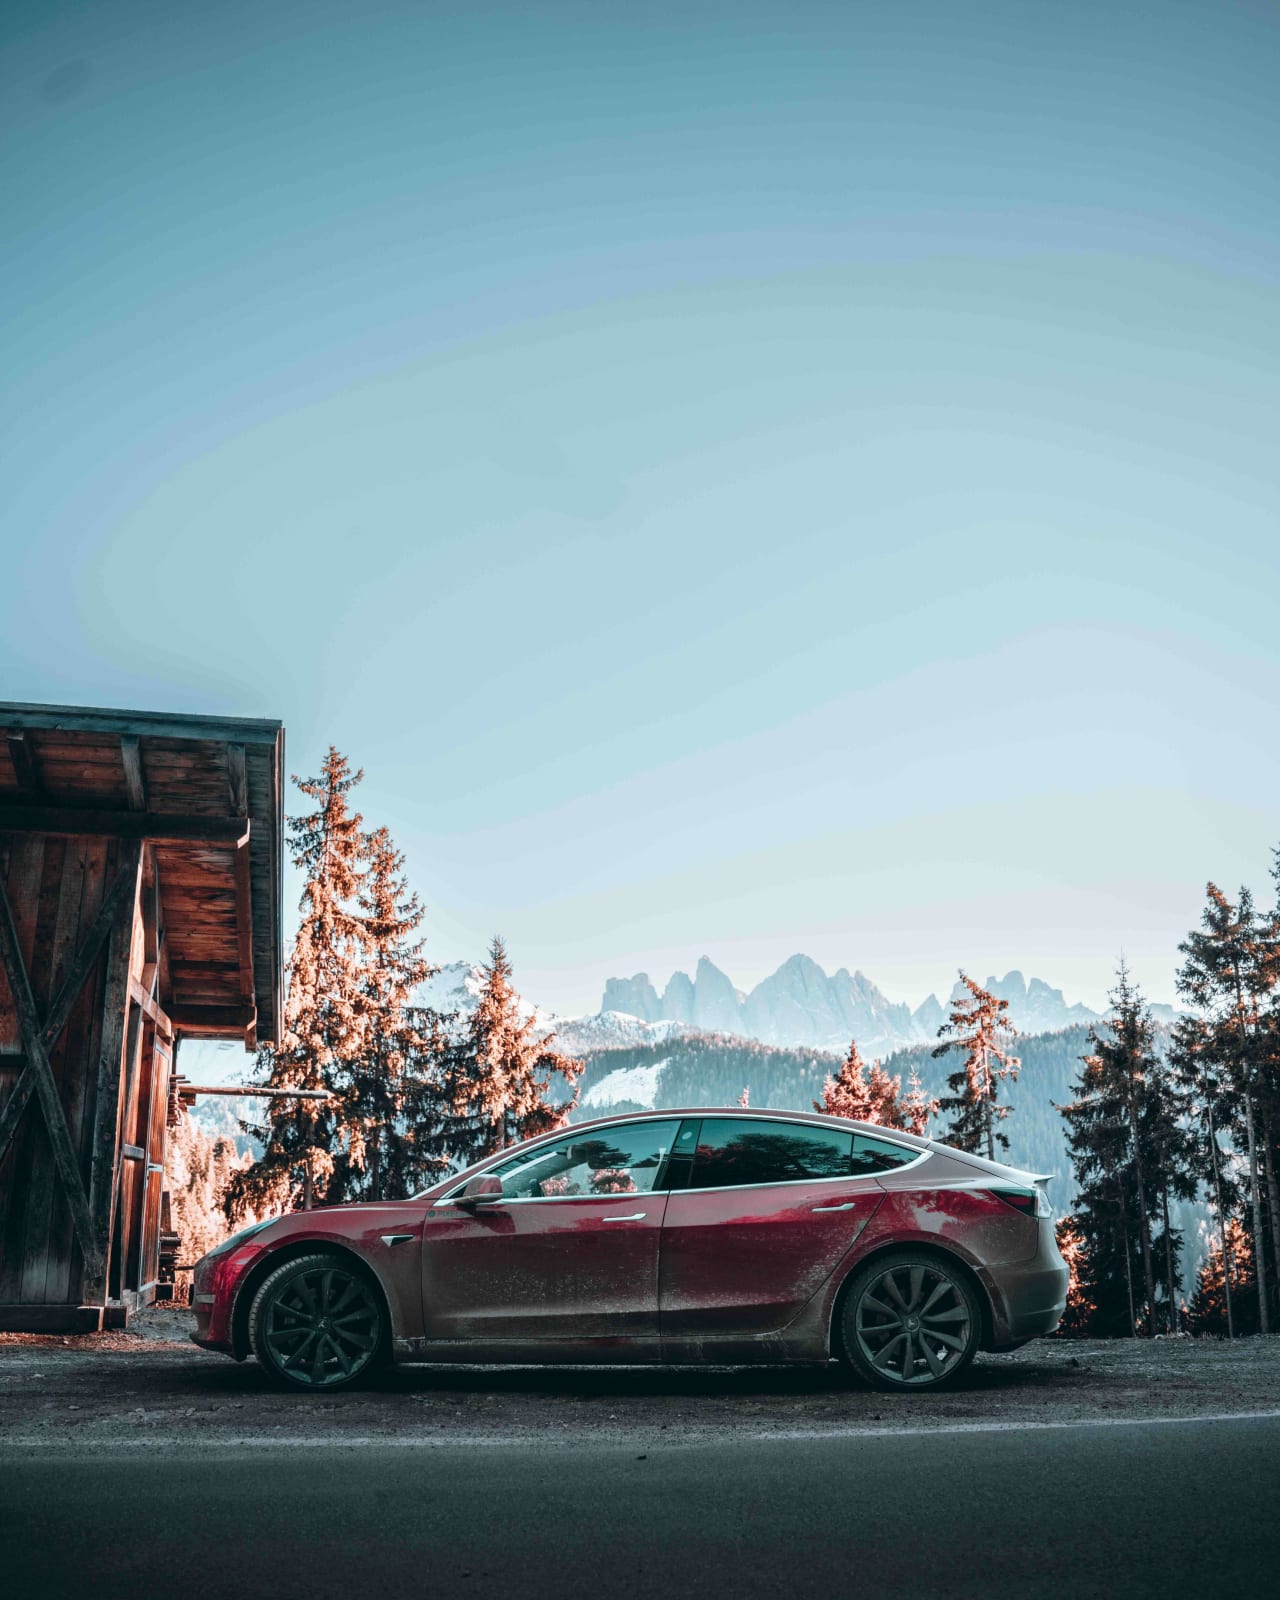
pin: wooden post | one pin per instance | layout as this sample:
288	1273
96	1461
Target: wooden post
106	1108
25	767
131	758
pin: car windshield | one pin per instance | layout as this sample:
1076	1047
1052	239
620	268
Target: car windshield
618	1160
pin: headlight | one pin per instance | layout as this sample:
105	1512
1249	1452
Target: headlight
239	1238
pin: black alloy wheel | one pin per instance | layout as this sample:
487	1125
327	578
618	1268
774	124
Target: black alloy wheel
318	1323
910	1320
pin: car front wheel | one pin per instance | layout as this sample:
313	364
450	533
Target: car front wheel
910	1320
317	1323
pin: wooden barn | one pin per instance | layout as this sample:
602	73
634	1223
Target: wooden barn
140	879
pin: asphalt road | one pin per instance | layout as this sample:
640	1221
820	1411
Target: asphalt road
1081	1508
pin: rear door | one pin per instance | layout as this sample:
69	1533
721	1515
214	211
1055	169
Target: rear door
570	1252
761	1213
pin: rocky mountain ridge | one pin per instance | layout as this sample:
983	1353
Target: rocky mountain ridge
801	1005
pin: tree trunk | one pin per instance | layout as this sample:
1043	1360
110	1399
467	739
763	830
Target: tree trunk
1259	1261
1222	1220
989	1091
1144	1221
1255	1195
1168	1263
1128	1269
1273	1199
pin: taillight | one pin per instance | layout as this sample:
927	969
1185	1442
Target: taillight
1031	1202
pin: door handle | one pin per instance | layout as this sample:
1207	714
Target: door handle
847	1206
636	1216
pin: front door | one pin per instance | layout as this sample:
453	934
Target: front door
570	1252
766	1212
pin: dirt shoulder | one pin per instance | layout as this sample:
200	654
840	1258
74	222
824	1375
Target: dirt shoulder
151	1383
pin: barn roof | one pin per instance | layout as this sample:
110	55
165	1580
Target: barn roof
207	793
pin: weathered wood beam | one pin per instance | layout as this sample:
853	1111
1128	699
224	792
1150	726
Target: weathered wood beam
24	764
90	948
157	724
245	1092
150	1009
45	1084
15	1105
238	795
27	1318
132	1066
237	781
244	924
131	756
106	1105
151	916
155	826
211	1019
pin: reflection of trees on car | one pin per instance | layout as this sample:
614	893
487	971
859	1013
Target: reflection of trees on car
771	1158
593	1166
612	1181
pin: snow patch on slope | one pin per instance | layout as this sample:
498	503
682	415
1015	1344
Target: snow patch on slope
636	1085
612	1030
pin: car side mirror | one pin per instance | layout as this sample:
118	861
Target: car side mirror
481	1191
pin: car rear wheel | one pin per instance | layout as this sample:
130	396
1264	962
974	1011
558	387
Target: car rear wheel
910	1320
318	1323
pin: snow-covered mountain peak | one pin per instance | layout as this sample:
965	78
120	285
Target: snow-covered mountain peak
800	1005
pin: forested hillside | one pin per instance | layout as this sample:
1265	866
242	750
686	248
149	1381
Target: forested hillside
702	1069
714	1069
1035	1130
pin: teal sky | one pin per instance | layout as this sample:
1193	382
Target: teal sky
739	478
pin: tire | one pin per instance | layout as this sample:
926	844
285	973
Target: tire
318	1323
910	1321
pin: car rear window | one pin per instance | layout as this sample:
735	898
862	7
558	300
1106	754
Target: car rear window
737	1151
878	1155
733	1151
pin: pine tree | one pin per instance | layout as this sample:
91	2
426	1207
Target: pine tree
197	1171
324	1017
388	1092
1230	972
865	1094
500	1071
1103	1218
1199	1082
918	1108
1226	1295
846	1094
1122	1125
978	1026
1172	1143
1081	1305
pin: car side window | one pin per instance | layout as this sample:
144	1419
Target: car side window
733	1151
619	1160
878	1155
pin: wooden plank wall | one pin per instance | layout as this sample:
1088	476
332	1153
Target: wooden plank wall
55	887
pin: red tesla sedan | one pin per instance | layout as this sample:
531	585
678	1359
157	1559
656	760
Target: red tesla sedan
675	1236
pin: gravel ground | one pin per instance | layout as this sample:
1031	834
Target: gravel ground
150	1382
